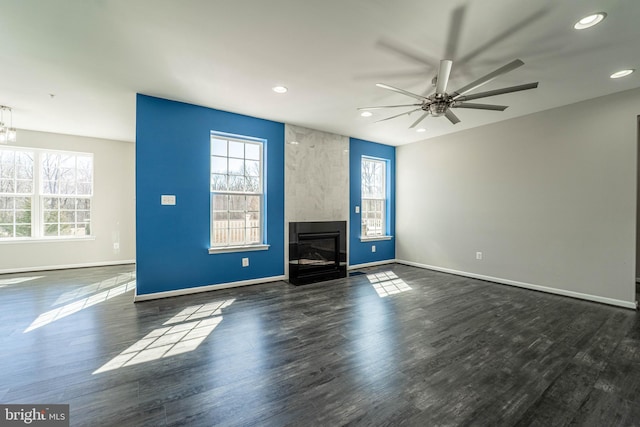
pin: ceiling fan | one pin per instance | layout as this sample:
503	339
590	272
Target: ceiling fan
440	103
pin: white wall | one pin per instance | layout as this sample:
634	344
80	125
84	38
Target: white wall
549	198
113	209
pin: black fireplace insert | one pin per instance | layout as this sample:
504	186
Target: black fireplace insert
317	251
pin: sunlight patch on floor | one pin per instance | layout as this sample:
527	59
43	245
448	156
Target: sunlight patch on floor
183	337
76	306
16	280
387	283
95	287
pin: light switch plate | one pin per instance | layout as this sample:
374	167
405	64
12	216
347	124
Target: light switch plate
168	199
357	209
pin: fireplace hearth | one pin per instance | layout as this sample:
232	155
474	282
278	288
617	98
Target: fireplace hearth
317	251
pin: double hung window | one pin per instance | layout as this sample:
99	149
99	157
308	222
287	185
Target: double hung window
237	196
374	197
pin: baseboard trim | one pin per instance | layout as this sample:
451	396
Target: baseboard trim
371	264
205	288
67	266
595	298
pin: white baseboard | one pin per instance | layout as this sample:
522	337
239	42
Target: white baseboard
371	264
206	288
67	266
563	292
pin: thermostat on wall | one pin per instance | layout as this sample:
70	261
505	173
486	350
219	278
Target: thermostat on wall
168	199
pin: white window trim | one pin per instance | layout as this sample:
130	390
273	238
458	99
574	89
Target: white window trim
385	214
376	238
248	247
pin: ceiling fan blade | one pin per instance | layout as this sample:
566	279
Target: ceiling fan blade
422	117
481	106
451	116
407	53
517	27
455	29
497	92
489	77
443	76
398	115
404	92
388	106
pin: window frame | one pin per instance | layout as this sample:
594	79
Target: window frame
230	246
37	198
382	198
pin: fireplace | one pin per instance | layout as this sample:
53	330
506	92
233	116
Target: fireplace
317	251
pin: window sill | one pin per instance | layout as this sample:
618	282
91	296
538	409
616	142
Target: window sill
248	248
47	240
375	238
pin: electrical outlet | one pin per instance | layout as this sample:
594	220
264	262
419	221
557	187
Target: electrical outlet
373	248
116	246
478	255
245	262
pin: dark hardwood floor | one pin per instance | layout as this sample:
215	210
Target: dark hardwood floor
396	346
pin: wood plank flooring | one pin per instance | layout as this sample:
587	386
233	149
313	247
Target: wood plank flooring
395	346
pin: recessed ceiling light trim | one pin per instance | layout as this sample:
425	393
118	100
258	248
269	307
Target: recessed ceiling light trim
622	73
590	21
279	89
366	114
421	130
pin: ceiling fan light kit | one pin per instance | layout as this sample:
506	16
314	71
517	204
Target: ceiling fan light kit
441	102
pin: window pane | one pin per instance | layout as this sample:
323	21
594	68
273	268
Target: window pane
51	230
252	168
220	236
236	183
253	203
220	217
237	203
23	231
219	165
218	182
6	202
6	217
253	235
84	188
23	217
236	236
6	230
237	218
252	151
51	216
236	167
236	149
218	147
24	187
7	186
220	202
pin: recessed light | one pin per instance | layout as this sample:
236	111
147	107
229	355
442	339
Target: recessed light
621	73
279	89
294	142
366	114
421	130
590	21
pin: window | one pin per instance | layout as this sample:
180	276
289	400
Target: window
374	197
16	193
45	194
236	191
66	193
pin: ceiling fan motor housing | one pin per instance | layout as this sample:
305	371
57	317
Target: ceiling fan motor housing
438	108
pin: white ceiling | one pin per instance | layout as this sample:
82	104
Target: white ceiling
95	55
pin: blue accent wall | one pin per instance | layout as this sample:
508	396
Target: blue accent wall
360	252
173	157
